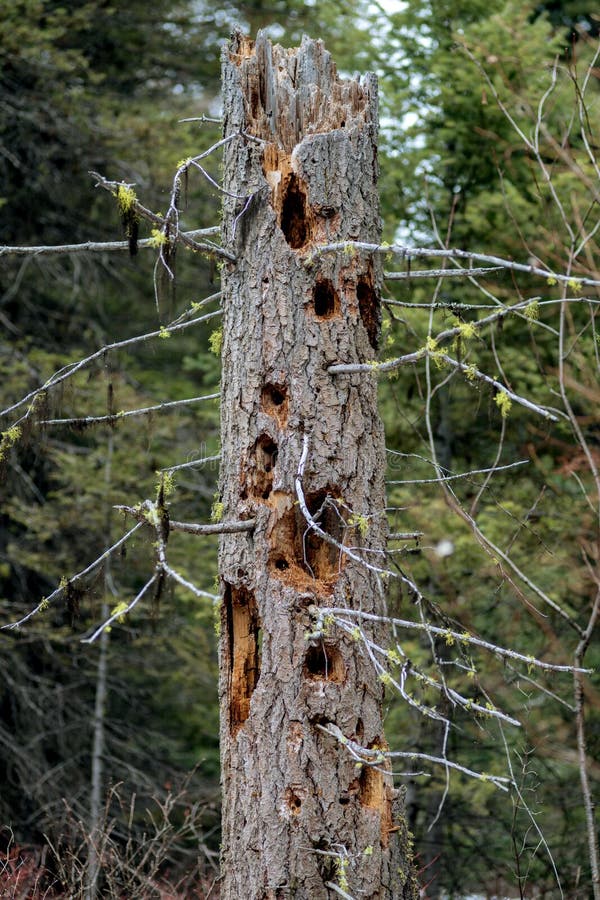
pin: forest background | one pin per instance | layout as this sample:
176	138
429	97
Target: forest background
104	87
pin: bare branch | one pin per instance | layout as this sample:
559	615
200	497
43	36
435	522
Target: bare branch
338	890
141	513
375	757
452	253
192	463
408	668
71	368
120	612
188	584
118	417
161	221
440	273
43	604
588	802
97	246
447	633
452	477
470	371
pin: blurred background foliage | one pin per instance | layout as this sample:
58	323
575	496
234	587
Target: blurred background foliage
102	86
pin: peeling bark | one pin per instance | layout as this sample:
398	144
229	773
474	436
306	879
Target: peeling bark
294	802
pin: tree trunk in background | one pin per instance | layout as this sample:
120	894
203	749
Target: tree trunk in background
298	815
99	722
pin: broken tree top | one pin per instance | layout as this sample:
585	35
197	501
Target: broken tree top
293	93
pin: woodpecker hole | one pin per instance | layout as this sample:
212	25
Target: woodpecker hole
295	214
266	453
323	558
319	719
326	302
243	641
274	402
324	662
293	801
299	555
259	474
368	305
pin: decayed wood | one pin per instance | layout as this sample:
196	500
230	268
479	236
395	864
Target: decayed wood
298	815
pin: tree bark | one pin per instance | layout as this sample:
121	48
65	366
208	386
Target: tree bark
300	818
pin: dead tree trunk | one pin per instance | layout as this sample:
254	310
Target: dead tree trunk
298	814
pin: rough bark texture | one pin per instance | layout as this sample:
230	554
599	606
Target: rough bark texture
297	812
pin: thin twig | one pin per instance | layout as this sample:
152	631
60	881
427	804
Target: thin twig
117	417
143	513
452	253
120	612
590	819
375	757
491	470
454	636
97	246
193	462
71	368
161	221
63	586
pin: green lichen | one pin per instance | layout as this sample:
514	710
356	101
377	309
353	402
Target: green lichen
8	439
119	611
165	484
504	403
532	311
126	198
215	342
467	330
217	511
341	870
360	522
157	238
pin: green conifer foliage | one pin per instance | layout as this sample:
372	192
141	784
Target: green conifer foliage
458	173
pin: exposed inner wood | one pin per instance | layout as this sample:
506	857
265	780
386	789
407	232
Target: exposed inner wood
301	557
291	96
274	401
293	799
289	200
243	632
375	793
